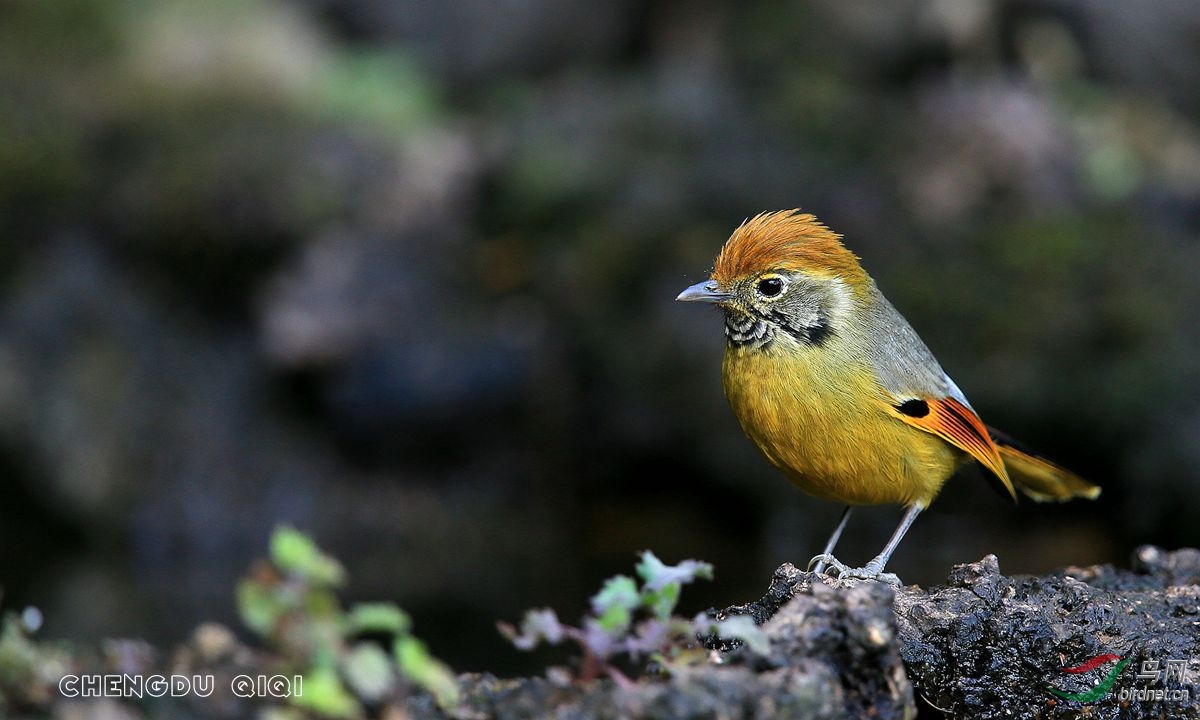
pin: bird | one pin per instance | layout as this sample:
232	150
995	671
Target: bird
839	392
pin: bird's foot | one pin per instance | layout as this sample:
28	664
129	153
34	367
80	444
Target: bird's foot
819	563
842	572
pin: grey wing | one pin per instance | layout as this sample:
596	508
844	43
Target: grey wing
904	364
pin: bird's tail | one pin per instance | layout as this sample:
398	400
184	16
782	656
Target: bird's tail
1037	477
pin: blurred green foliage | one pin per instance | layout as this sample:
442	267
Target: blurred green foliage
29	669
637	623
293	605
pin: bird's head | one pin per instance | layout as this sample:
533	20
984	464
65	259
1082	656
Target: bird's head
782	275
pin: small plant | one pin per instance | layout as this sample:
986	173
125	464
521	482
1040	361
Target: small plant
291	602
637	622
29	669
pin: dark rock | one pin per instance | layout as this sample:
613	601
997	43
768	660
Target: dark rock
833	654
1093	642
983	646
999	650
786	582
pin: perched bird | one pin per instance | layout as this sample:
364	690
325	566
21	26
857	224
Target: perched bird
838	391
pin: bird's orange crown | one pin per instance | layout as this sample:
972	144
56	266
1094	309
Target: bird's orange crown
786	240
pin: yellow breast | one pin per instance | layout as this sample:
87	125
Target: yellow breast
825	423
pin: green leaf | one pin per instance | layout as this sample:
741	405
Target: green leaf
368	671
325	694
615	620
377	618
656	575
620	591
258	607
615	603
662	603
427	671
295	553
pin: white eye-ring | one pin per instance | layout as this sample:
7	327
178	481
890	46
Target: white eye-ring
770	286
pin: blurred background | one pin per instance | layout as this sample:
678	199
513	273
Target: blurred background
401	273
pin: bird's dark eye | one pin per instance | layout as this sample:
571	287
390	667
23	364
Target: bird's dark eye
770	287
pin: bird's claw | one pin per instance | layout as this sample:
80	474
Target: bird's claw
843	572
823	560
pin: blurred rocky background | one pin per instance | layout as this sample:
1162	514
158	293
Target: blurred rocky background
401	273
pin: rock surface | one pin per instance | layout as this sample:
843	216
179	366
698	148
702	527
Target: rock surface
833	655
990	646
984	645
1095	642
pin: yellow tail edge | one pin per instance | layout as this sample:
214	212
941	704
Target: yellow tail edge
1037	477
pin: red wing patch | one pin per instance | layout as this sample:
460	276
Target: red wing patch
958	425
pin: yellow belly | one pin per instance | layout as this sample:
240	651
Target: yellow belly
827	426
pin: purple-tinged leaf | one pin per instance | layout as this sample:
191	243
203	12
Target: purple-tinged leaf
656	574
537	626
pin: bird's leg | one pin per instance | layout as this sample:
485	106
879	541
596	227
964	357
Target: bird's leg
826	556
874	569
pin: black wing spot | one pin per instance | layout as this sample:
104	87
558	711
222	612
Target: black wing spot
914	408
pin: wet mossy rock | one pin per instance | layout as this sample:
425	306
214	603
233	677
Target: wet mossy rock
984	645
